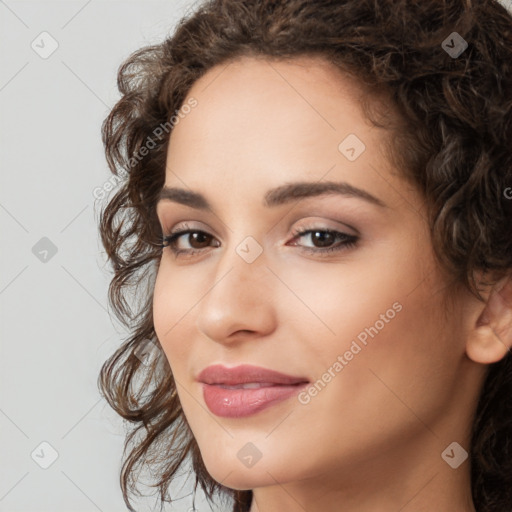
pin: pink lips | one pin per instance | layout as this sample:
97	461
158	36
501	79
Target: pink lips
245	390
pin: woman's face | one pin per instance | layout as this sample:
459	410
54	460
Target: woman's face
351	311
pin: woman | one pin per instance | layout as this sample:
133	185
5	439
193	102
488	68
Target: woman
317	221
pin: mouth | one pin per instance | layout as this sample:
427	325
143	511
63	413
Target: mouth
246	374
246	390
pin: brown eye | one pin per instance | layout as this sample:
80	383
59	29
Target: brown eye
322	238
325	240
196	239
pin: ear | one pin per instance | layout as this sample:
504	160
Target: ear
491	337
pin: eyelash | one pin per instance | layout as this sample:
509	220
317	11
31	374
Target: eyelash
349	241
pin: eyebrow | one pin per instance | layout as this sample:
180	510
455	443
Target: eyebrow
277	196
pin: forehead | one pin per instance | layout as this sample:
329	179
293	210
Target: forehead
276	92
246	100
259	123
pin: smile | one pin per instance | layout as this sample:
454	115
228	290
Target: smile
246	390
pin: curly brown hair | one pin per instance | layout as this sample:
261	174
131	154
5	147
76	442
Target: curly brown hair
453	141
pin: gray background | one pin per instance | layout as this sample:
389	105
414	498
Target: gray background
55	327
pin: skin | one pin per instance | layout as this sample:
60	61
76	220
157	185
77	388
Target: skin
371	440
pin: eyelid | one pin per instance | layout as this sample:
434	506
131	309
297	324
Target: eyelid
310	223
187	225
323	223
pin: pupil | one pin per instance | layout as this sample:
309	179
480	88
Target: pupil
323	237
196	236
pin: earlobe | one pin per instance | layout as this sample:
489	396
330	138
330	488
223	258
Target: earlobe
491	337
484	346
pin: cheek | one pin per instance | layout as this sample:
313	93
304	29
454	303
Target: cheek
173	302
339	301
398	356
382	314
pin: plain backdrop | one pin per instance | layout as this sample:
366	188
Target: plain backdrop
61	445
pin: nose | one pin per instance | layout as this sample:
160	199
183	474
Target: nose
239	301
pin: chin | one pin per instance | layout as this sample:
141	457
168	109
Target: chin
234	475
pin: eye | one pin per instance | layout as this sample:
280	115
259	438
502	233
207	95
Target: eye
199	240
325	238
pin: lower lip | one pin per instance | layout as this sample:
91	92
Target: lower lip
239	403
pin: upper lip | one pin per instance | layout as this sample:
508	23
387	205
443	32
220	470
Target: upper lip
245	374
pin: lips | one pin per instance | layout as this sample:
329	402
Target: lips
245	390
246	374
